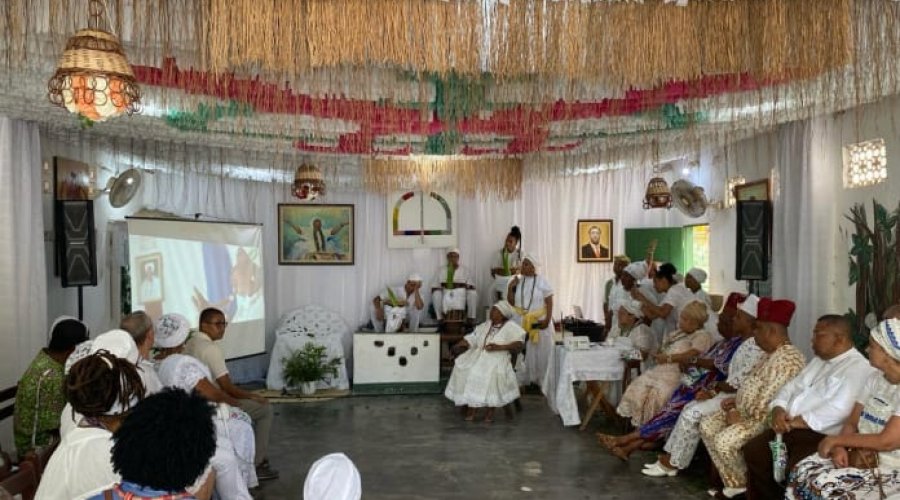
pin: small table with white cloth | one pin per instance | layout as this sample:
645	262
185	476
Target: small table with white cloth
599	363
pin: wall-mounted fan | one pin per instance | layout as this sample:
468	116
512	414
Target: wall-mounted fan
689	198
122	188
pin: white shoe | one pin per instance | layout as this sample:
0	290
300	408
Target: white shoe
650	466
733	492
712	492
659	470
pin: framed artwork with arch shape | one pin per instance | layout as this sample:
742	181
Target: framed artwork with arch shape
419	219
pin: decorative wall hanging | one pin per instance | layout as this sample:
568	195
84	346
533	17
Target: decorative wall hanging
308	183
417	219
315	234
497	178
72	179
594	240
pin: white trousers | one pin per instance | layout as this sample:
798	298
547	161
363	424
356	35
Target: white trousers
437	298
685	436
413	317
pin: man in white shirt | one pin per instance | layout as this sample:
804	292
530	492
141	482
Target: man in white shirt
396	305
140	327
811	406
454	289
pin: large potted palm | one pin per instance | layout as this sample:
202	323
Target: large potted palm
304	367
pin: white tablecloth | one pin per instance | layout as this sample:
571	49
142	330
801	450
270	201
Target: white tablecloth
566	367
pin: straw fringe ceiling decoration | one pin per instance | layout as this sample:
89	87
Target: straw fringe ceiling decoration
486	178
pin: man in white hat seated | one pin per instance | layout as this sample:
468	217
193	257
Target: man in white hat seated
454	289
399	306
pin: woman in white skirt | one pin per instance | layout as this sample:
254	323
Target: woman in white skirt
483	376
532	297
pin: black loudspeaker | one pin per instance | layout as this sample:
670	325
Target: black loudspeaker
753	228
75	242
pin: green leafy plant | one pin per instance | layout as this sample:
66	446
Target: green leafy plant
874	264
309	364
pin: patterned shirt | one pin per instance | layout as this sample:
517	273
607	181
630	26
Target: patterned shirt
131	491
39	403
760	387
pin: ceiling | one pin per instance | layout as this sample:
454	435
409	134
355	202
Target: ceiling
559	85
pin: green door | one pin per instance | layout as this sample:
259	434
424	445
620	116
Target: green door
670	245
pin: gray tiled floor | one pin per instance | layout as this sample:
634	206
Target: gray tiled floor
414	447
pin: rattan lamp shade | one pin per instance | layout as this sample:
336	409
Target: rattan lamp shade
658	194
93	78
309	183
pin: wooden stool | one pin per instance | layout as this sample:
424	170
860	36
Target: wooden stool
595	389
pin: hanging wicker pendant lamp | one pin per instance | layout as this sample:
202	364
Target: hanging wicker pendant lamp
93	78
309	183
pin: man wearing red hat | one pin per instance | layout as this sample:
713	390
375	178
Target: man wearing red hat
743	417
809	407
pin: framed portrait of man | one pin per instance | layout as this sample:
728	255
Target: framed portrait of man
594	240
150	286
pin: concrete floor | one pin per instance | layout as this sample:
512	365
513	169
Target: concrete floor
419	447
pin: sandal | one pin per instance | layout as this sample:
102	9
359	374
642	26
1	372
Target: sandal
606	440
619	453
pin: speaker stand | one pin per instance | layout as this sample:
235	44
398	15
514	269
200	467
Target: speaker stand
80	303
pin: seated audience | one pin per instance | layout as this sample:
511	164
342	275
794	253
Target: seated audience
483	376
102	388
685	436
809	407
399	308
333	477
40	397
648	393
118	343
743	417
161	461
453	289
233	460
202	345
140	327
630	330
531	296
699	374
872	469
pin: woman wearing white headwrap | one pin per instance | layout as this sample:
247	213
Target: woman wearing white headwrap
872	429
235	445
630	331
483	375
103	388
532	296
333	477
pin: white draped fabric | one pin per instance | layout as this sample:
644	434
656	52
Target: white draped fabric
23	294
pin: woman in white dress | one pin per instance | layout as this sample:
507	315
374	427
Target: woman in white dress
506	263
532	297
630	330
235	445
483	376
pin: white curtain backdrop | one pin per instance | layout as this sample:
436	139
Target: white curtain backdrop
23	295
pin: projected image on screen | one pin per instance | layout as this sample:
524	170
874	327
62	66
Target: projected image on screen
185	267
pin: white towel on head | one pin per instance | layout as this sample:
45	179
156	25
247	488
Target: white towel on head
333	477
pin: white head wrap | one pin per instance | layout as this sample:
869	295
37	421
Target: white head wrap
118	343
171	330
750	305
634	308
698	274
505	309
453	250
637	270
62	318
530	257
333	477
414	277
887	335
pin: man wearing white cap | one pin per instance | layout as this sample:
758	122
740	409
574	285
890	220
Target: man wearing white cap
399	305
453	289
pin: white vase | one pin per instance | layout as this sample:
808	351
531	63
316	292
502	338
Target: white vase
307	388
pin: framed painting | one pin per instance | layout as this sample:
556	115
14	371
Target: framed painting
417	219
594	240
72	179
150	287
315	235
753	191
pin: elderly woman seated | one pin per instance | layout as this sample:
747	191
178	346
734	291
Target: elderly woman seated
483	376
235	445
648	393
863	461
630	330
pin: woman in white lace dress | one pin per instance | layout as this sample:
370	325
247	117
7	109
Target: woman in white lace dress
235	445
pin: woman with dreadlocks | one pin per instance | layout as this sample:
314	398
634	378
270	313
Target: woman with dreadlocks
102	388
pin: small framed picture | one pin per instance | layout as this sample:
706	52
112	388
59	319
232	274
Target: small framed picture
72	179
150	284
594	240
315	235
753	191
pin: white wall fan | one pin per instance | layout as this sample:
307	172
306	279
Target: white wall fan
689	198
123	187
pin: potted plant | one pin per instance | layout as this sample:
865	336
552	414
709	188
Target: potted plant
304	367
